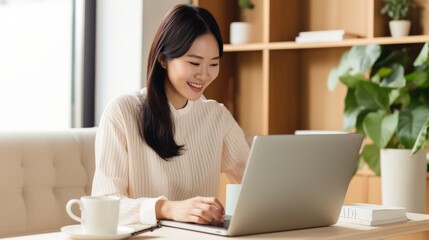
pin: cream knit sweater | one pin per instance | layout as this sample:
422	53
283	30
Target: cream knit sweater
127	167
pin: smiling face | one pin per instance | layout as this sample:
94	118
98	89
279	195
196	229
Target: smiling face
190	74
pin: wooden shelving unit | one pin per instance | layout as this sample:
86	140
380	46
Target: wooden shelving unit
274	85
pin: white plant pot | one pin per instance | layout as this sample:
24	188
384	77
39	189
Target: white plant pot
399	28
403	179
239	32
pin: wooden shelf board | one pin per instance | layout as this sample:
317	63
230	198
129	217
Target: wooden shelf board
245	47
344	43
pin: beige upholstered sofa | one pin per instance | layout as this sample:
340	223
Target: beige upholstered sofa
39	173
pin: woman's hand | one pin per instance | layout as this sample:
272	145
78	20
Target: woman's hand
202	210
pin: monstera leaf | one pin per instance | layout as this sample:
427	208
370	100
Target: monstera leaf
410	125
422	139
380	127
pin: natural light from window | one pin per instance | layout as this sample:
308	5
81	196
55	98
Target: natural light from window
35	64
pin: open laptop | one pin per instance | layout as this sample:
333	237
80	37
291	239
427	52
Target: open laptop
290	182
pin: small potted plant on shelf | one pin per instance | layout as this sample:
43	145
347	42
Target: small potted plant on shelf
240	31
388	100
397	11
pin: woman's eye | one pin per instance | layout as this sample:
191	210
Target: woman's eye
194	63
214	64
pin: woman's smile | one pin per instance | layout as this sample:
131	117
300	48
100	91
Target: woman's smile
195	86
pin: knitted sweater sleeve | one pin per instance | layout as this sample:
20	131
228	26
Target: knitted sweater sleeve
111	170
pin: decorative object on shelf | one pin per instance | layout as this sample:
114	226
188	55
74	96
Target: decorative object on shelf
397	10
240	31
388	101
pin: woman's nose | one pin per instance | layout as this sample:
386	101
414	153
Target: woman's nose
203	74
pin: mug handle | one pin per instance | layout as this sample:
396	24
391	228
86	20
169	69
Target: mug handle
69	210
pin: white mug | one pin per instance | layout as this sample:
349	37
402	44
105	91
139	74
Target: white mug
99	214
232	192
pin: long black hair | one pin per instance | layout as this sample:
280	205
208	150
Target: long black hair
174	37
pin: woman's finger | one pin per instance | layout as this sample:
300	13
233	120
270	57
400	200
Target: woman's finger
203	216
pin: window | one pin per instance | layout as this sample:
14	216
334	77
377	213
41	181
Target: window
37	64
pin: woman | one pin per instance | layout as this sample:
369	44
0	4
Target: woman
162	149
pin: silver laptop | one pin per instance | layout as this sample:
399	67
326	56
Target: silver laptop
290	182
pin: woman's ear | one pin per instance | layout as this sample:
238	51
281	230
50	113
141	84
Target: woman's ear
162	61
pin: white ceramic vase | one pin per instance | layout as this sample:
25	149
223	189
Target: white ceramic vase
399	28
403	179
239	32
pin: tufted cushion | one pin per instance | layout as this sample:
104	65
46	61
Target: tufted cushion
39	173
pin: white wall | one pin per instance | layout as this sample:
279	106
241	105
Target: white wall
124	33
118	50
153	11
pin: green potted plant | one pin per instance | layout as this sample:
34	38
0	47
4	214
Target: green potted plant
244	4
397	11
387	100
240	31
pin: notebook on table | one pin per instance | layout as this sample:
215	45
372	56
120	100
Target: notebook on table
290	182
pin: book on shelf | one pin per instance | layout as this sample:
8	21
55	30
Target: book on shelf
337	32
371	214
323	36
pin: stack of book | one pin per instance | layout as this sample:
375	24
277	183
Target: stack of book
322	36
371	215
